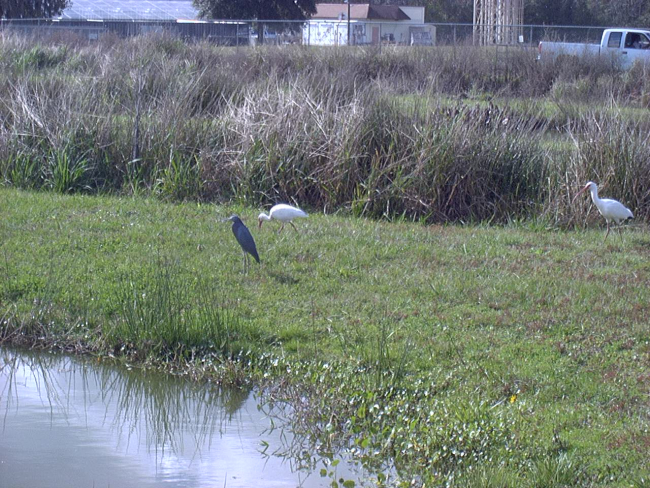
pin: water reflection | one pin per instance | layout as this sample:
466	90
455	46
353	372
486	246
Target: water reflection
68	421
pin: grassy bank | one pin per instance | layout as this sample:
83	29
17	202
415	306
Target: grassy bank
435	135
467	355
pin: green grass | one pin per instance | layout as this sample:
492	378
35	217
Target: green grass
499	356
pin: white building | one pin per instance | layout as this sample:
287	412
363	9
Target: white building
368	24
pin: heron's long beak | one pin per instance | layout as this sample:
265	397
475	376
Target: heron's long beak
579	193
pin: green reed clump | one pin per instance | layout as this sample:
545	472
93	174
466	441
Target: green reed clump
39	57
164	314
180	179
21	170
65	171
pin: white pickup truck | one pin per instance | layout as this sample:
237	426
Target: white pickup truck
625	46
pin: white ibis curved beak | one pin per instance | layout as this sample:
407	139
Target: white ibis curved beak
579	193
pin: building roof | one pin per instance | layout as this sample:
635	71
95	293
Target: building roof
130	10
184	9
359	11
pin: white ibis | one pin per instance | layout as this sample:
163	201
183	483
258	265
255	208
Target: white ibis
284	213
244	238
611	210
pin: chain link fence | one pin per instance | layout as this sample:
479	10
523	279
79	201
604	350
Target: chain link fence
315	32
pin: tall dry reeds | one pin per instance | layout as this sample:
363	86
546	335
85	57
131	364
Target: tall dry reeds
440	134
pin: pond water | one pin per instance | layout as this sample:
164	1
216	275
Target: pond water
70	421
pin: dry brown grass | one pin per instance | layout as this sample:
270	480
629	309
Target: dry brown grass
430	134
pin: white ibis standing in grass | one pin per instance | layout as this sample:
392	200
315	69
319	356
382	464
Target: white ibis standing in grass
611	210
244	238
284	213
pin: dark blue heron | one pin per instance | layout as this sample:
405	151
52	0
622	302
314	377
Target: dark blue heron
245	239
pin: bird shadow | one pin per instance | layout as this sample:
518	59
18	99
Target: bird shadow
641	244
283	278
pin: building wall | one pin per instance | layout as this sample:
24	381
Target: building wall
325	33
401	33
335	33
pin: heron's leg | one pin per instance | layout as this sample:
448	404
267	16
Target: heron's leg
607	230
293	226
281	227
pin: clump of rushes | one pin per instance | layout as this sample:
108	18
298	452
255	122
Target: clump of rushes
164	314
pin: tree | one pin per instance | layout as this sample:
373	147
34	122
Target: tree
630	13
458	11
31	9
558	12
256	9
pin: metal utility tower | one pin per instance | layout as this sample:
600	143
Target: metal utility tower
497	21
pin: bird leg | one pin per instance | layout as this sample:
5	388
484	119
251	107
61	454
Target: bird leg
606	234
293	226
281	227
